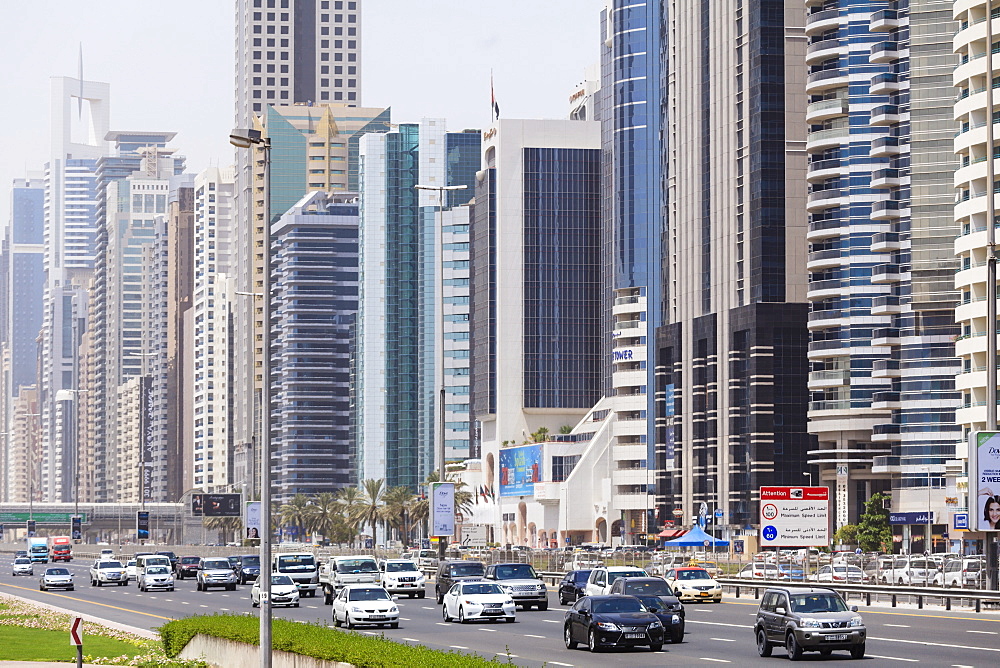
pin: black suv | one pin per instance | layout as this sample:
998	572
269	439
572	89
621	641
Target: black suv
808	619
573	586
247	568
450	572
171	556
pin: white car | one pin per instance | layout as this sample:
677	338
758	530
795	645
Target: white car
763	572
839	573
968	572
284	591
157	577
57	577
130	570
910	570
477	599
107	572
107	554
693	584
601	579
401	576
365	604
22	566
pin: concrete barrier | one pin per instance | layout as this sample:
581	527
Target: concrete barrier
222	653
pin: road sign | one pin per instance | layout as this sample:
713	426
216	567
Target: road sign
719	513
76	631
795	516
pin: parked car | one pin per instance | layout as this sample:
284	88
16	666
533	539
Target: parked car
522	584
693	584
56	577
450	572
284	591
839	573
657	597
215	572
477	600
22	566
968	572
107	572
401	576
365	604
573	586
611	621
248	568
807	619
910	570
763	571
187	567
157	577
602	578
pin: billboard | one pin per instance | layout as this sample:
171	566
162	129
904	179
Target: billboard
253	519
520	469
216	505
76	530
142	525
794	516
30	528
442	509
984	481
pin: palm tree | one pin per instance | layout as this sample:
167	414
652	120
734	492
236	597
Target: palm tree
371	509
324	512
297	513
350	499
397	505
227	525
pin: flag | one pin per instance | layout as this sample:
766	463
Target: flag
494	107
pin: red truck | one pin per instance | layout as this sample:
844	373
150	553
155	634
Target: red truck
62	549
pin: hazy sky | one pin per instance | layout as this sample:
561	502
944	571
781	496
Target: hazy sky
170	65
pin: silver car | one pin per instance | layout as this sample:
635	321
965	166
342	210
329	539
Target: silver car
157	577
22	566
56	577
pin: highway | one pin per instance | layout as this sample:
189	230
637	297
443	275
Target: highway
716	634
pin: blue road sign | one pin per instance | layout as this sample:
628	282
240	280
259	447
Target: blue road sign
770	533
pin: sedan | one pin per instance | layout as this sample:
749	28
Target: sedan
283	592
466	601
22	566
763	572
157	577
693	584
839	573
611	621
573	586
365	604
56	578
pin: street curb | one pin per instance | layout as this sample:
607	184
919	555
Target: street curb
134	630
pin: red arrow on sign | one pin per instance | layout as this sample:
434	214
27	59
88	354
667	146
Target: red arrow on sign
76	631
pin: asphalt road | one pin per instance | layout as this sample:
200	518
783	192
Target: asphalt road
716	633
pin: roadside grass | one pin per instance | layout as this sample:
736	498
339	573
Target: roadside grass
321	642
23	644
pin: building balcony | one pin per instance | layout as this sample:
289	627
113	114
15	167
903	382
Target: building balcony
824	80
817	52
886	305
886	114
824	110
825	199
887	242
821	170
885	369
885	432
884	52
637	476
820	22
629	452
820	140
886	273
820	380
824	229
886	464
886	20
889	209
823	259
885	336
885	400
884	147
824	289
825	319
888	178
886	83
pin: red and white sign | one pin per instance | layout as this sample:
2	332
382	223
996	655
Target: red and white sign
795	516
76	631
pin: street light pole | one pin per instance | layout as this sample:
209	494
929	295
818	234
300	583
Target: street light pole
439	337
246	139
76	453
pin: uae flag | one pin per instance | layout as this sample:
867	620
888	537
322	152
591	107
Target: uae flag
494	107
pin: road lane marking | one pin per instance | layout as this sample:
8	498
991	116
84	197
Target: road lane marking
443	624
723	639
893	658
528	635
424	607
489	630
203	606
556	663
81	600
986	633
404	619
959	665
410	639
708	658
551	621
898	626
458	647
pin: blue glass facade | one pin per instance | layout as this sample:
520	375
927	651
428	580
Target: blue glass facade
26	282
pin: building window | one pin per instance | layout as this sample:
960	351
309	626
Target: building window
325	95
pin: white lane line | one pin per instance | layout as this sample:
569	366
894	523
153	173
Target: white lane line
551	621
424	607
410	639
936	644
528	635
489	631
185	603
893	658
735	626
707	658
985	633
203	606
959	665
225	609
556	663
169	600
312	606
723	639
369	633
458	646
404	619
443	624
898	626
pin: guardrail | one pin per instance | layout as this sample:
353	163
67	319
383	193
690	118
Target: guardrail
978	597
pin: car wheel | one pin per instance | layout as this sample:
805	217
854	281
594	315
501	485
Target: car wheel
394	625
440	597
763	646
793	648
93	583
198	587
99	583
461	615
825	652
543	606
295	605
421	594
254	604
70	589
858	651
444	613
123	584
171	589
592	642
568	638
510	620
41	588
655	647
347	621
677	636
562	600
336	619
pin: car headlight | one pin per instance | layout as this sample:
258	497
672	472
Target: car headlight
357	609
509	601
856	621
811	623
607	626
656	625
541	587
393	609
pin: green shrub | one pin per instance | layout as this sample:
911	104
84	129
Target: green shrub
318	641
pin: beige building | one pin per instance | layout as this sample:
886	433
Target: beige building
128	440
24	456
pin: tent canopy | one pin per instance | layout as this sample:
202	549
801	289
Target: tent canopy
696	537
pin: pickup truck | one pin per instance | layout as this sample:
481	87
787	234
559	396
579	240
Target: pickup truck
340	571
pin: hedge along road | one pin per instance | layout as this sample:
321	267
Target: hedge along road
716	633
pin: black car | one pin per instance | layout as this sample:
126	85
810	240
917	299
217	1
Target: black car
169	555
20	553
611	621
234	560
573	586
248	568
657	597
450	572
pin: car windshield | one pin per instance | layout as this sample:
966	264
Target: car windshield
618	604
189	560
648	588
516	572
467	570
110	564
481	588
157	570
57	571
581	576
367	595
357	566
251	561
694	574
168	555
400	567
817	603
651	603
22	560
130	564
281	580
215	564
612	576
298	562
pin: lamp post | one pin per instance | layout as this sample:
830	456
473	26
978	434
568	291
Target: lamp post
246	139
439	336
809	473
928	547
76	450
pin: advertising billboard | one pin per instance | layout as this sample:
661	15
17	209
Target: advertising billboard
984	481
442	509
142	525
216	505
253	519
76	528
794	516
520	469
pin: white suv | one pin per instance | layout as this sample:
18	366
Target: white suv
910	570
967	572
107	572
401	576
602	578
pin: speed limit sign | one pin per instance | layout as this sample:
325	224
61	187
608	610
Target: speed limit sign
769	511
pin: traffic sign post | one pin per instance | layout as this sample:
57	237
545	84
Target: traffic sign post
76	638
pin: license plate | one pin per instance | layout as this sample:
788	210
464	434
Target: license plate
635	636
492	612
704	593
376	616
837	636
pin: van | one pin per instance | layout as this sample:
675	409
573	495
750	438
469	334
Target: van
143	561
301	567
